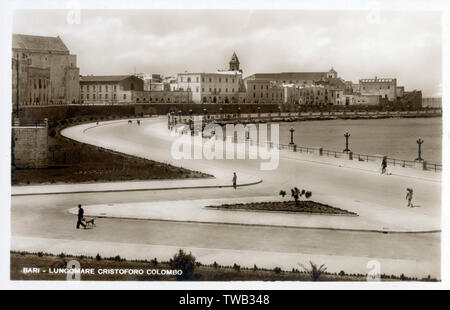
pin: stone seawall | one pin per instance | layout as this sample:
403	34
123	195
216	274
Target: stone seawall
30	146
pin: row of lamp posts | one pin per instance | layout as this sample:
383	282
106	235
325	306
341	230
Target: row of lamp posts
419	141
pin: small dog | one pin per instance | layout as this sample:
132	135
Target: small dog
89	222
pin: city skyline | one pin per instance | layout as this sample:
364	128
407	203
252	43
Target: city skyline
156	42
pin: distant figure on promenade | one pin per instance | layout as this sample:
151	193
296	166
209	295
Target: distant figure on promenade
383	165
409	196
139	122
234	180
80	217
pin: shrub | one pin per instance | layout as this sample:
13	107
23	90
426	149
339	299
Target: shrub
314	271
98	257
236	267
40	254
62	255
215	265
184	262
277	270
154	261
117	258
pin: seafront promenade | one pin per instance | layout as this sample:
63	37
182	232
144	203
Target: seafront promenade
378	199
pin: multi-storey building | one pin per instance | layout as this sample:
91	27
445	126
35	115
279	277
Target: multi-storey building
222	86
50	65
298	78
30	85
264	91
384	87
109	89
125	89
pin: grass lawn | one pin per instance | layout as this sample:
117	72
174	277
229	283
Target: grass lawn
75	162
46	262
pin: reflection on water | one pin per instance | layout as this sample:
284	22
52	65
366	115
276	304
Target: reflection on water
394	137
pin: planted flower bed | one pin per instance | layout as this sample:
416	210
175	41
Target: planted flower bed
310	207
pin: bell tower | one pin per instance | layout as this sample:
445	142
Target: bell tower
234	63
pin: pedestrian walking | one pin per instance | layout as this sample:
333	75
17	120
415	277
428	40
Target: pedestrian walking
234	180
409	196
80	217
383	165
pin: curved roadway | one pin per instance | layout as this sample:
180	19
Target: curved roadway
43	222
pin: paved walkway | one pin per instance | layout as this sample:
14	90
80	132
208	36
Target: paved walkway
244	180
378	199
373	217
376	213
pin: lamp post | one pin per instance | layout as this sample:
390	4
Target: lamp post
259	112
346	135
239	111
292	135
419	143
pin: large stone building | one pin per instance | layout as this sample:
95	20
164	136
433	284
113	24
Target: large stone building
125	89
109	89
44	69
222	86
298	78
384	87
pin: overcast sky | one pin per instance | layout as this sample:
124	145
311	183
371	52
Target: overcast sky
405	45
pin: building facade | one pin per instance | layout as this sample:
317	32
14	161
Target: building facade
384	87
50	62
222	86
264	91
110	89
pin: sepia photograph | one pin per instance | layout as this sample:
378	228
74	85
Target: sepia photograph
224	144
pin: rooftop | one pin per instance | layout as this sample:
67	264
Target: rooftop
289	75
103	78
38	43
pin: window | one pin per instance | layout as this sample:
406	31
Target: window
93	96
106	87
203	89
189	79
226	80
181	79
254	87
220	90
124	96
210	80
100	96
210	90
233	80
220	80
232	90
226	90
115	88
40	85
115	96
106	96
203	79
87	96
196	89
196	79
